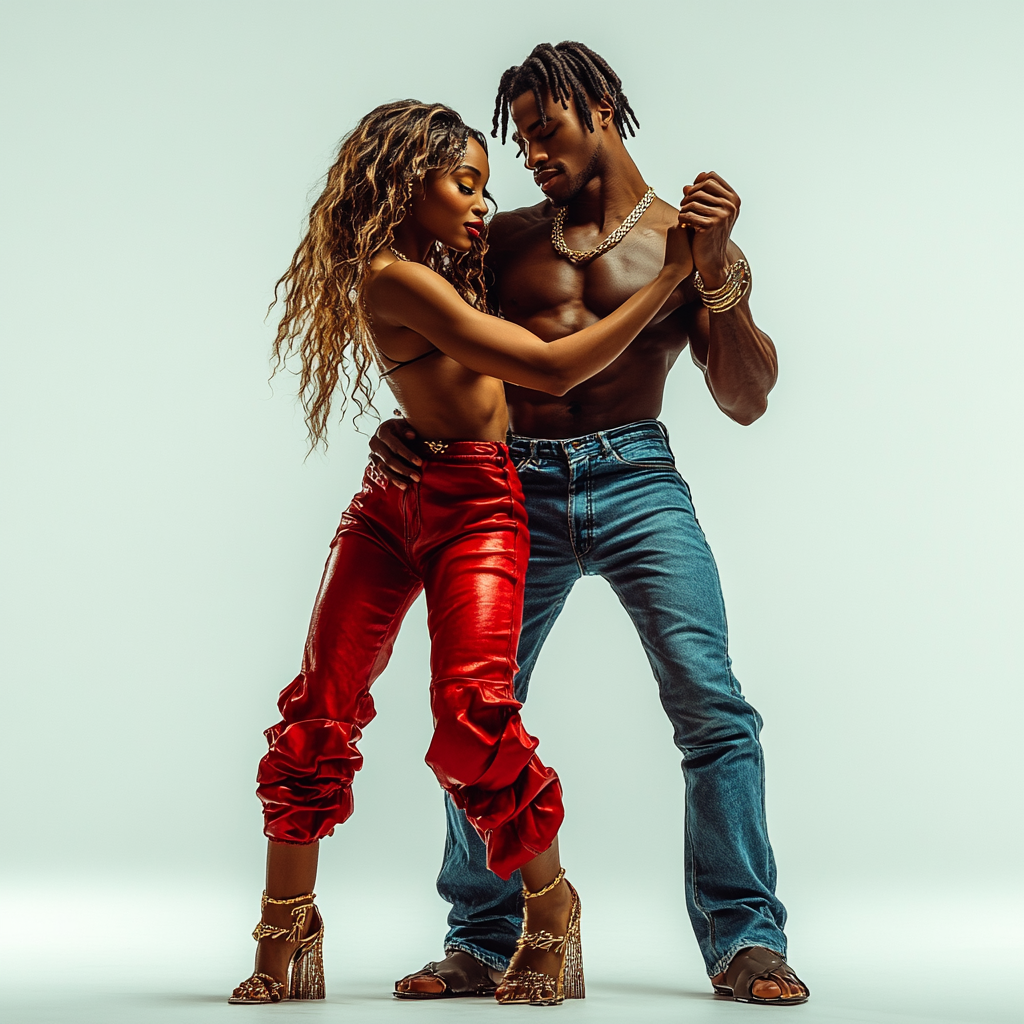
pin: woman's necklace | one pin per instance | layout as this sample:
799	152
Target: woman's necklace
577	256
399	255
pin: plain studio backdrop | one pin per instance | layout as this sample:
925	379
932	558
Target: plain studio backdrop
164	536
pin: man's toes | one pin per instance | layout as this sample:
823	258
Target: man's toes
765	989
426	983
793	989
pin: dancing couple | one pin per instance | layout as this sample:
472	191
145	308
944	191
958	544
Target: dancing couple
528	454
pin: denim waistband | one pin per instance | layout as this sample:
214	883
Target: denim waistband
586	444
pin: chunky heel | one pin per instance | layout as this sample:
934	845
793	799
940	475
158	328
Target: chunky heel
306	965
525	985
572	965
306	969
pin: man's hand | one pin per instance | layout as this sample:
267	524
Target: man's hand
710	207
391	454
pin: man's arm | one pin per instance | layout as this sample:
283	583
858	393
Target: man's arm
389	448
739	360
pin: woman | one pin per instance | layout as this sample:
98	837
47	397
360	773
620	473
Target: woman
391	269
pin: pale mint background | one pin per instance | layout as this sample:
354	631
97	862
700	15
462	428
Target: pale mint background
163	537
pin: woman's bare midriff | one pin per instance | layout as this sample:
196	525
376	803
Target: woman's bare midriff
445	401
441	399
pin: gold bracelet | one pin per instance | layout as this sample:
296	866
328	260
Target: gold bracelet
711	294
737	284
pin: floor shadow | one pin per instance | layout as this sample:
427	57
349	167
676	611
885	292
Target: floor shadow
639	988
176	998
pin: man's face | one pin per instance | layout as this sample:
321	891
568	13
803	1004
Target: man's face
561	151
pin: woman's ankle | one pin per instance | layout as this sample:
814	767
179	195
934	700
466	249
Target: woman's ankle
555	904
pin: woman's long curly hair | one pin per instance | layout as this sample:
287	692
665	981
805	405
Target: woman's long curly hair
366	195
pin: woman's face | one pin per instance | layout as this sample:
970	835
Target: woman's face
451	205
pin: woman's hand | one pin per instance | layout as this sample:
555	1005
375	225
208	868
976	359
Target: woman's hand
393	456
678	258
710	207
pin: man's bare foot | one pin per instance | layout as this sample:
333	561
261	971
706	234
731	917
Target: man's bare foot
458	974
775	981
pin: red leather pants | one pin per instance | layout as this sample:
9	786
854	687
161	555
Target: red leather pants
460	534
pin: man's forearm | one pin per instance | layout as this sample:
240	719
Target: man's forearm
741	366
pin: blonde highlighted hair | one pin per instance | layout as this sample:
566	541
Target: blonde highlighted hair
366	195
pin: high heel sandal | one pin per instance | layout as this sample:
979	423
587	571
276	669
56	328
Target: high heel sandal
306	966
535	987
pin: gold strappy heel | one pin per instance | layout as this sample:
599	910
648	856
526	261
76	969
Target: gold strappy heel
535	987
306	966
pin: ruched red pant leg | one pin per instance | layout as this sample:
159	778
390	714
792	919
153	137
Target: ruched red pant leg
460	534
305	778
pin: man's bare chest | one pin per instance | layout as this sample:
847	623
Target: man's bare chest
553	297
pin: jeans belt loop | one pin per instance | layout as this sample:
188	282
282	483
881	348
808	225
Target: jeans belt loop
606	445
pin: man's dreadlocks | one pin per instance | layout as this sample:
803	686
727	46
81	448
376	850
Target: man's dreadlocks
566	70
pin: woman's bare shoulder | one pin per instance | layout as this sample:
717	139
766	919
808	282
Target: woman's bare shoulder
400	288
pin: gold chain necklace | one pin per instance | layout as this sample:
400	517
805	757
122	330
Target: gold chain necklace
399	255
576	255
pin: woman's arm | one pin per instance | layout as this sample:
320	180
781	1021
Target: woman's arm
415	297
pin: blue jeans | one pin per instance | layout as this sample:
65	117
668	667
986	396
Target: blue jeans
612	504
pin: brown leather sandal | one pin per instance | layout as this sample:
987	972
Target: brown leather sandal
460	973
758	964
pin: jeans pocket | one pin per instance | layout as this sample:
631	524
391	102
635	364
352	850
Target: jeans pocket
644	453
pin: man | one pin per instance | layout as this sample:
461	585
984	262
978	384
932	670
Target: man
604	498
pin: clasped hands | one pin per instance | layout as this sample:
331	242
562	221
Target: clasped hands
709	209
